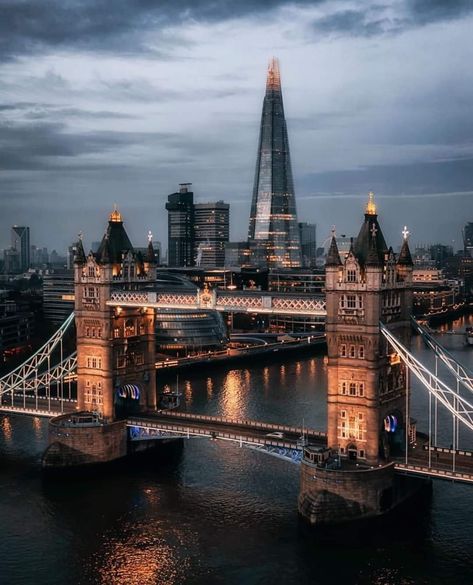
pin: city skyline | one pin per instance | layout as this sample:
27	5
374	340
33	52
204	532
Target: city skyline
113	113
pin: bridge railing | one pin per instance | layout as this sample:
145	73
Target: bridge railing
242	422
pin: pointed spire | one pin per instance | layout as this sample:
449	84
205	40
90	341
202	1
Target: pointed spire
273	81
115	216
104	257
79	256
370	208
333	255
150	255
405	257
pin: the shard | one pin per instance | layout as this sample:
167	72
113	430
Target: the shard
273	231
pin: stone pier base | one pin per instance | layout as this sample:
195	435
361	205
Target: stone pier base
82	439
333	496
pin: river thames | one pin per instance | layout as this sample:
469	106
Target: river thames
210	512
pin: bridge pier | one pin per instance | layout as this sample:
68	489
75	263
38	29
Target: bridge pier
342	491
83	439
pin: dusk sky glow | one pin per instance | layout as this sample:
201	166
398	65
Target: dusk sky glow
101	106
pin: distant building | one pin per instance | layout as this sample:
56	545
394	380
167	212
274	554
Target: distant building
211	233
180	208
237	254
20	241
11	261
16	329
468	238
307	234
58	295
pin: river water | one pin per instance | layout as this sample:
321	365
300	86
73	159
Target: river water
210	512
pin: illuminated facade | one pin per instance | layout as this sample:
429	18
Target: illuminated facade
367	384
273	233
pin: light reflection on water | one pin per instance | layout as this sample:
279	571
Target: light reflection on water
212	512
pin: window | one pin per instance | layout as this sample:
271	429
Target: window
361	388
361	352
351	301
362	453
87	332
351	275
91	271
343	350
343	387
142	329
343	414
352	389
129	328
116	332
352	351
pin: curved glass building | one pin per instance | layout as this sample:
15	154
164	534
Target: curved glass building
186	331
273	233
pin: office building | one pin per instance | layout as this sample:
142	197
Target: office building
308	244
211	233
180	207
273	233
20	241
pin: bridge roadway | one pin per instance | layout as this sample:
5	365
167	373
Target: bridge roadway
248	432
444	463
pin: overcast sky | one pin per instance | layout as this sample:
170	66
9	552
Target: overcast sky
105	101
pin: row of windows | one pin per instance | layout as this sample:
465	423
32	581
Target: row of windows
94	362
352	388
93	332
137	359
351	302
361	452
93	393
129	329
350	430
352	351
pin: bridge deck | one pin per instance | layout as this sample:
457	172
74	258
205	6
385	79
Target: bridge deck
238	430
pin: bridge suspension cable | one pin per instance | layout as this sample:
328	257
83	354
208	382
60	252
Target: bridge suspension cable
460	408
36	373
461	374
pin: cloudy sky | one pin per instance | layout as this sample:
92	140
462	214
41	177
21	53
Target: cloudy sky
105	101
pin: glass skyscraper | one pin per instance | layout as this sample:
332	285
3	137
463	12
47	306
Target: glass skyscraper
273	234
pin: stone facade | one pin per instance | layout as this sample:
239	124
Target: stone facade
73	442
367	395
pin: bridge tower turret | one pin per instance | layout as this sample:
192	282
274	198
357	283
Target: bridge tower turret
115	346
366	414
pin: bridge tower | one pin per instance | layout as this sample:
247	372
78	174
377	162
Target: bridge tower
115	348
367	401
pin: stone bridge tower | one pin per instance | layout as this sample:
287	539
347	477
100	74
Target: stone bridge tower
115	346
366	382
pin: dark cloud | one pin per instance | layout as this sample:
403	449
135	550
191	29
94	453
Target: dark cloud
416	178
426	11
118	26
50	145
357	23
121	26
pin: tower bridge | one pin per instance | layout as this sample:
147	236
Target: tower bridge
372	456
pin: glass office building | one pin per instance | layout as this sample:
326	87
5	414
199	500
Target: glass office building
273	233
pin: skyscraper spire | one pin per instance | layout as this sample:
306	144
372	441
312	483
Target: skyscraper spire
273	233
273	81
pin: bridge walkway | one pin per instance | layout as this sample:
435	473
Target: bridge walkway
216	427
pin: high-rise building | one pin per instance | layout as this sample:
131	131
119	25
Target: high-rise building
308	244
273	233
468	238
180	206
211	233
20	241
